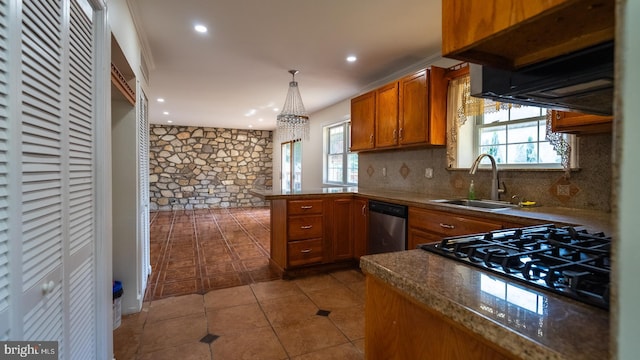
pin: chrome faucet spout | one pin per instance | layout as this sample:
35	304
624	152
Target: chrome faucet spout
494	172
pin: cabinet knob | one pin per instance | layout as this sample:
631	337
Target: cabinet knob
306	207
305	251
395	134
306	227
371	139
364	210
401	131
447	226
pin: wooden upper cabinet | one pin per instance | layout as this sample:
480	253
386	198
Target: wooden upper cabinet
511	34
387	115
577	123
408	112
414	116
363	111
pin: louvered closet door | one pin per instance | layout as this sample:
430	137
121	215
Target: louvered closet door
42	170
143	204
80	255
4	211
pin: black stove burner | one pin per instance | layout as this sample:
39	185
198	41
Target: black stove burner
563	260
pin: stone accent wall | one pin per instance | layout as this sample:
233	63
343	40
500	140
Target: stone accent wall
194	167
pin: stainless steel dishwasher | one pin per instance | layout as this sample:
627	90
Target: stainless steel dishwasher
387	227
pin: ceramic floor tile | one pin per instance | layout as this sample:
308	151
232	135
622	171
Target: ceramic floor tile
289	310
173	332
317	282
343	352
350	321
312	335
348	276
184	287
252	344
224	298
188	351
359	288
174	307
234	319
275	289
334	297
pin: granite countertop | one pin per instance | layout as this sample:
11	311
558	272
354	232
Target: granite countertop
591	220
529	323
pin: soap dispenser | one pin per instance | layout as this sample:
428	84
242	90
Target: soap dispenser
472	191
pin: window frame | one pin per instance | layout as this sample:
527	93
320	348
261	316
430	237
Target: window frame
292	161
478	125
345	153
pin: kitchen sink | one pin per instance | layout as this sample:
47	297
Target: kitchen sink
481	204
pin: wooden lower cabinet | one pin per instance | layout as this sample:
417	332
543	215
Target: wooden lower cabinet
305	252
397	327
360	222
341	230
431	225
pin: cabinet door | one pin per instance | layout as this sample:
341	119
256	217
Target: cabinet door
387	116
413	117
360	226
438	86
576	123
418	236
341	233
363	111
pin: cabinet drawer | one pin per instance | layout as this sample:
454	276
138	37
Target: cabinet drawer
300	207
305	227
304	252
446	224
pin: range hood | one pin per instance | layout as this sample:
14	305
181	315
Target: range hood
581	81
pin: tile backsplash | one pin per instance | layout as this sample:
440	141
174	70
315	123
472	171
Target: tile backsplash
589	187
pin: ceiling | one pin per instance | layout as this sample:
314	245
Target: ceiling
235	74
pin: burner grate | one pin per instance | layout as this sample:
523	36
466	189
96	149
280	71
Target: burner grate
563	260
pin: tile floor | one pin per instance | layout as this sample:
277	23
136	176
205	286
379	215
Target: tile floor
195	251
212	295
315	317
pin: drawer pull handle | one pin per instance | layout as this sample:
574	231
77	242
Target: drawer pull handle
306	227
447	226
306	207
305	251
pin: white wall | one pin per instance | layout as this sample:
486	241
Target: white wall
627	326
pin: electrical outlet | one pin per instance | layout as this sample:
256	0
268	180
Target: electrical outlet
384	171
564	190
428	173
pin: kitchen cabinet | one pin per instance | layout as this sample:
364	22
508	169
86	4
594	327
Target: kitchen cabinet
430	226
360	221
386	123
577	123
513	34
363	110
408	112
397	327
310	231
341	229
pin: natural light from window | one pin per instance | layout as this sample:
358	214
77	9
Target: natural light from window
341	166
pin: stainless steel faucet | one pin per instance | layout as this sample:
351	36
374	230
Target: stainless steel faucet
495	186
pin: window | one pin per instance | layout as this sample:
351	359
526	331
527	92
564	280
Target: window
291	154
341	166
516	136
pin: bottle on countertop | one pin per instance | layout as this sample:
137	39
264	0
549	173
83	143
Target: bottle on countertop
472	191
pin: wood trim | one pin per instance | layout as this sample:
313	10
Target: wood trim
457	71
118	80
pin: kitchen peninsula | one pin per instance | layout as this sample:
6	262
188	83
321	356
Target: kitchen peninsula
461	302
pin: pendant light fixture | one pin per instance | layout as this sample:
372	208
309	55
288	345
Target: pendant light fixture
293	121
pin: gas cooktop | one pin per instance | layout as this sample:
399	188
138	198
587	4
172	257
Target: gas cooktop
563	260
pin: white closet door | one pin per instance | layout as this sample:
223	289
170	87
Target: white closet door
4	211
80	258
143	180
42	182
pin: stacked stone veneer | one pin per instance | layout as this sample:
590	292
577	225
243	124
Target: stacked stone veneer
194	167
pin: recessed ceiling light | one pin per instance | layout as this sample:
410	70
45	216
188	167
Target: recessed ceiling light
250	126
261	119
276	109
170	121
160	100
250	112
351	58
200	28
165	113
